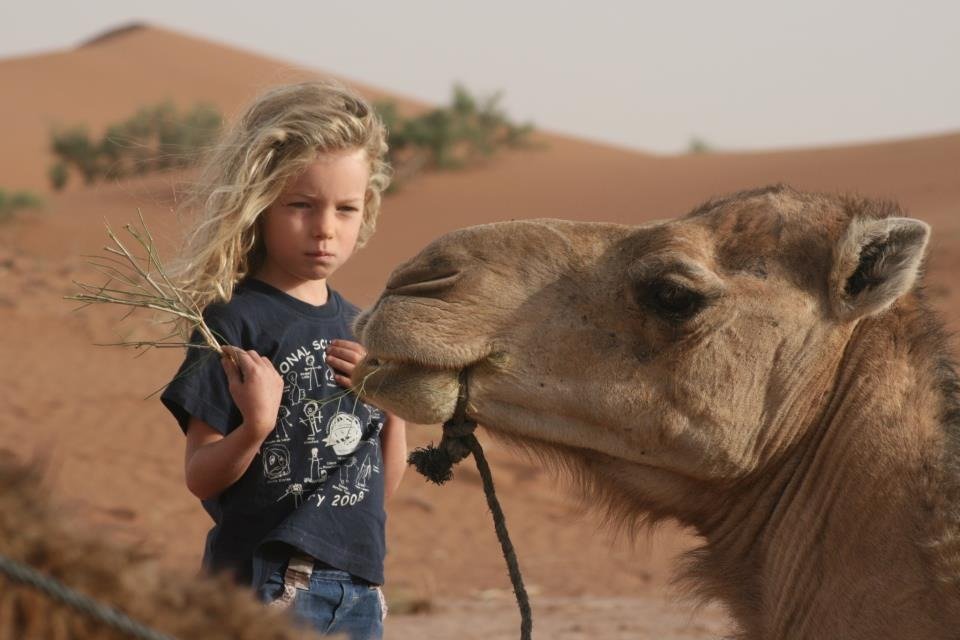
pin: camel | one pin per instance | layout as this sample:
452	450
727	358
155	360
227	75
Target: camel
33	534
764	370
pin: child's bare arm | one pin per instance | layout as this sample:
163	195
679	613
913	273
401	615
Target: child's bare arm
213	462
393	440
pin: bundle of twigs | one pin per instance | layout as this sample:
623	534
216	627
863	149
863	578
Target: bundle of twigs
141	282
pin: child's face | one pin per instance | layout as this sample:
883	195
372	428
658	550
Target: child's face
312	228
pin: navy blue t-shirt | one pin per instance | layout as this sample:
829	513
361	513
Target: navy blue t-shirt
317	483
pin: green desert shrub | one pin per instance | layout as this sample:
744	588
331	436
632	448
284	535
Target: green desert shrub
450	137
155	138
699	145
74	149
58	174
13	202
160	137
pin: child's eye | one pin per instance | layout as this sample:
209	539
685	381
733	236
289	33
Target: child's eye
299	205
349	209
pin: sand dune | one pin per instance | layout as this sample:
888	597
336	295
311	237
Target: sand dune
110	77
117	458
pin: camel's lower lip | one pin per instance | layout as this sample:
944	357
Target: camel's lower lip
413	391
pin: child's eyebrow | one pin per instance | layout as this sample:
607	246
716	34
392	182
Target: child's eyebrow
309	196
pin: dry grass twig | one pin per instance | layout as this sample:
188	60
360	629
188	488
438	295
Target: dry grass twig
141	282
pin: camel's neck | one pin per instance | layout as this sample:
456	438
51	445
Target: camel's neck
854	533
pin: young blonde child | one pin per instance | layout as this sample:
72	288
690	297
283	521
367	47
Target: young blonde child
290	464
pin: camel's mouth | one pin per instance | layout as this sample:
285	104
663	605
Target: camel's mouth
420	392
374	362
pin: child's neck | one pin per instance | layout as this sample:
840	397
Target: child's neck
312	292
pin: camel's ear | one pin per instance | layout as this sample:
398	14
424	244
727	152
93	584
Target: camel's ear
875	263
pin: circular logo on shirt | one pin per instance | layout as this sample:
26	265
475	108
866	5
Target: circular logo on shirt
343	433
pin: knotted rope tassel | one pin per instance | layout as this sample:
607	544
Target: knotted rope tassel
436	463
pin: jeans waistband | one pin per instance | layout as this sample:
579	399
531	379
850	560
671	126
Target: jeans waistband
302	568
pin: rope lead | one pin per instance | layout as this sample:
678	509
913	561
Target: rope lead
436	463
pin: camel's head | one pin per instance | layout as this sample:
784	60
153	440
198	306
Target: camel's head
697	347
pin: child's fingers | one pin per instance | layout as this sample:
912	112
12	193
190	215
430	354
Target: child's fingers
349	346
346	355
343	366
230	368
244	361
248	361
343	381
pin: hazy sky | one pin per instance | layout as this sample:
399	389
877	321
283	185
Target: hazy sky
741	74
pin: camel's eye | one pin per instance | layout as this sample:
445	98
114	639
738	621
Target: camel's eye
670	300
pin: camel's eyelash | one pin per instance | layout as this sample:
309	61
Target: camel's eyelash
668	299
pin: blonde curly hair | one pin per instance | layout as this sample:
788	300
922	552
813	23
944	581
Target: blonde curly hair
277	137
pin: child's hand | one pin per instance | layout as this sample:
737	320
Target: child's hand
344	356
256	387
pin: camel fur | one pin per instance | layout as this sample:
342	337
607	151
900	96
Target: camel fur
764	370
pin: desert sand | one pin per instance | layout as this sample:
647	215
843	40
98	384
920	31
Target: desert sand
114	458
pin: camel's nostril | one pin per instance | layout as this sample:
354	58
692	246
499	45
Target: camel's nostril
421	282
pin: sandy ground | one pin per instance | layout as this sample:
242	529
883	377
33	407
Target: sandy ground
569	618
114	458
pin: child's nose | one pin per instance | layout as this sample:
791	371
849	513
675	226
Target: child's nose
324	223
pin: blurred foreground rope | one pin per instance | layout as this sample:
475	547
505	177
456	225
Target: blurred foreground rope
436	463
84	604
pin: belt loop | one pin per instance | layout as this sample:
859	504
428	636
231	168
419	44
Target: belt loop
297	576
299	570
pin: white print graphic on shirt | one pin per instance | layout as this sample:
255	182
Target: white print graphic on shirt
317	475
344	473
294	393
353	477
347	499
291	360
313	416
343	433
280	432
328	373
276	462
310	373
366	468
295	490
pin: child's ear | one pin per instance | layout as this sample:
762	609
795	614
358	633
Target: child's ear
875	262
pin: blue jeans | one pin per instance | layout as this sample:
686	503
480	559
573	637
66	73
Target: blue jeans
335	602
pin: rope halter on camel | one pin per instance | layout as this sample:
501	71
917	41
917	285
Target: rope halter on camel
436	463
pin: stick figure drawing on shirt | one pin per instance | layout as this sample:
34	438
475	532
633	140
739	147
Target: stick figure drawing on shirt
316	473
281	433
312	412
328	373
366	468
294	392
310	374
344	475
